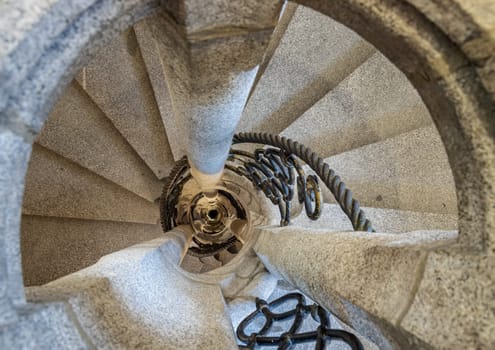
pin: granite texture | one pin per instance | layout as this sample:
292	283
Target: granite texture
285	17
407	172
78	130
58	187
223	72
47	326
48	42
138	298
313	56
470	27
209	82
54	247
203	21
14	155
156	73
377	272
453	307
451	86
367	280
374	103
117	80
383	220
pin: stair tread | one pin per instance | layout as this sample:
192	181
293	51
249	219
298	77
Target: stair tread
118	82
145	301
58	187
382	219
78	130
63	246
409	171
373	103
304	67
153	65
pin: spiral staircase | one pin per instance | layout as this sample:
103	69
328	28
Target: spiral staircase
112	254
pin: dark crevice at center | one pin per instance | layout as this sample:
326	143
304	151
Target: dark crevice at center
212	214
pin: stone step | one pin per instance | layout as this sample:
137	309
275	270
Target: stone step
117	80
153	65
314	56
138	298
285	17
368	280
383	220
54	247
58	187
78	130
408	172
372	104
209	81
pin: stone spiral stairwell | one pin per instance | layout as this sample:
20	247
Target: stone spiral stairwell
98	166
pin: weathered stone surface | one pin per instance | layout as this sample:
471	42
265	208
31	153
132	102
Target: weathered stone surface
209	82
14	155
44	327
471	27
243	304
285	17
117	80
54	247
58	187
373	103
377	272
408	172
79	131
450	86
47	49
138	298
383	220
453	307
220	18
306	65
366	280
22	18
156	73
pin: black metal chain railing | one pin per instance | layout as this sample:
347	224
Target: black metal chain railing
278	172
292	149
273	172
323	335
172	189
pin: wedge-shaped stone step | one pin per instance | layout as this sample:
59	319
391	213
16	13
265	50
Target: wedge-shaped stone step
58	187
372	104
408	172
54	247
138	298
314	55
366	279
117	80
78	130
383	220
153	63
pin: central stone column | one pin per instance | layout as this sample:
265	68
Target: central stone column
210	56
